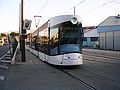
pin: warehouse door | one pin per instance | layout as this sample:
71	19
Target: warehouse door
109	40
117	40
102	40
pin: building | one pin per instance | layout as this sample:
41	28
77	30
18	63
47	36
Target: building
91	36
109	33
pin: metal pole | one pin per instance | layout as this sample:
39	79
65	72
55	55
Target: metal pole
74	10
23	59
20	26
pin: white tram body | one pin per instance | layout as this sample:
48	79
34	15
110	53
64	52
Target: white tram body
59	41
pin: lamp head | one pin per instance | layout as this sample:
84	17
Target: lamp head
74	20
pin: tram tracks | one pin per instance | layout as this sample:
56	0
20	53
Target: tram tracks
78	79
103	53
98	58
98	55
70	72
101	58
105	76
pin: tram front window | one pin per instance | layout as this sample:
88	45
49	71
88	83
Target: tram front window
70	38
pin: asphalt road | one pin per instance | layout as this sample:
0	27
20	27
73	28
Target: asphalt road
4	66
3	50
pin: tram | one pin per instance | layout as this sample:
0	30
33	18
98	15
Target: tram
59	41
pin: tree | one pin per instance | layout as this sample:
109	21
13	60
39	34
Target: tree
14	34
3	35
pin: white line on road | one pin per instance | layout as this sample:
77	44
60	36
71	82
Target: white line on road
5	67
2	77
5	54
5	61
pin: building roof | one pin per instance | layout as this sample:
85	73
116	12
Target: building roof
88	28
110	21
90	31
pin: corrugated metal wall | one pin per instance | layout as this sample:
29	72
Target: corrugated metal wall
117	40
102	40
110	40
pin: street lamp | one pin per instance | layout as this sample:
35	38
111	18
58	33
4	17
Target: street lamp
37	20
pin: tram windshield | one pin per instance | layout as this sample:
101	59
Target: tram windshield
70	38
65	38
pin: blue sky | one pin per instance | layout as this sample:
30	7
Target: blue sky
92	12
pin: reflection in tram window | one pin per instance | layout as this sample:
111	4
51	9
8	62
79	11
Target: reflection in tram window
33	42
42	41
54	40
70	38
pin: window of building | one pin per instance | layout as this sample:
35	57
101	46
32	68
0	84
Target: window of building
85	39
94	38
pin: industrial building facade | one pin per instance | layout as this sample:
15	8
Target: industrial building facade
109	33
91	36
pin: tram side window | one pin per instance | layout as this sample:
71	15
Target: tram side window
38	43
42	41
46	42
33	43
54	41
94	38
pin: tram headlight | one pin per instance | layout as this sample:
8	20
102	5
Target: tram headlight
65	57
80	56
74	20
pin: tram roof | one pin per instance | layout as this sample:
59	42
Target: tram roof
56	20
62	18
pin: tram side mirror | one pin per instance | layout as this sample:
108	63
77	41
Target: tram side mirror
74	20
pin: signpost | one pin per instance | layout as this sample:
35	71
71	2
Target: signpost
24	25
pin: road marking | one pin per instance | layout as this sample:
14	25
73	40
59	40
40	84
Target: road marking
2	77
5	67
5	61
5	54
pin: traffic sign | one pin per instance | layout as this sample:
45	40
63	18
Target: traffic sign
27	24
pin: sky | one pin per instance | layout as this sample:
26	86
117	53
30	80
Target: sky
92	12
